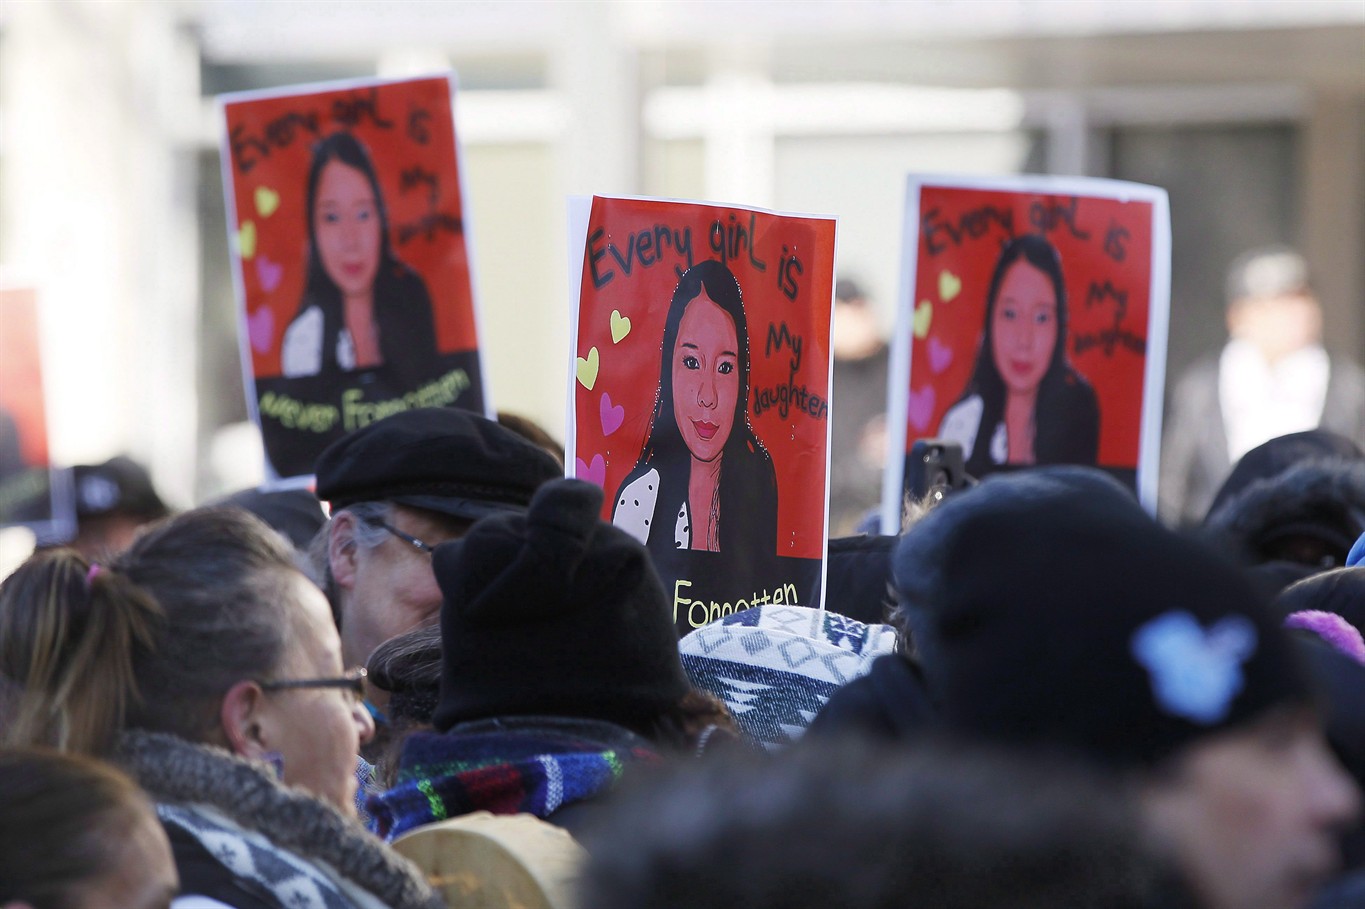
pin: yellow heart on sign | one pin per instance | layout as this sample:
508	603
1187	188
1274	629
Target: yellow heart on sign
587	369
267	200
246	240
620	326
924	315
949	285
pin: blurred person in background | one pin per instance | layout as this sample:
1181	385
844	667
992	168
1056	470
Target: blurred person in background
114	500
207	666
1271	378
75	832
858	410
295	514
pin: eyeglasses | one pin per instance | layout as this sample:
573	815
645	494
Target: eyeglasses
405	537
353	681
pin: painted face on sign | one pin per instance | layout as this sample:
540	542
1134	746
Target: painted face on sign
1024	327
705	378
346	228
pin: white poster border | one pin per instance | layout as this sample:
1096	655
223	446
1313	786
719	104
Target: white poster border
1158	316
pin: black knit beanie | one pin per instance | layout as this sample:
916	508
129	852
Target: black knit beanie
1050	610
554	613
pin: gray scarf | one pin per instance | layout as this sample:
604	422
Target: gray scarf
173	770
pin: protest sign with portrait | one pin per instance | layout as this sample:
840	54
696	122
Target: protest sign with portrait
32	492
351	259
699	395
1032	327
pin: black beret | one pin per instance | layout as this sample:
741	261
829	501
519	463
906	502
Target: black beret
442	459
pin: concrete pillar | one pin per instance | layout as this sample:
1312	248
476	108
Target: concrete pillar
1068	137
1332	227
740	135
596	72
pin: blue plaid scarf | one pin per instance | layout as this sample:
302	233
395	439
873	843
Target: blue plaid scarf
533	765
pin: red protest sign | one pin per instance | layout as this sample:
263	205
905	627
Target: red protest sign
700	394
346	215
31	493
1032	325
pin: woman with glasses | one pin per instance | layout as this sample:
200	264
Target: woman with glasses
207	666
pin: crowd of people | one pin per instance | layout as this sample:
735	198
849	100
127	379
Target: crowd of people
1037	695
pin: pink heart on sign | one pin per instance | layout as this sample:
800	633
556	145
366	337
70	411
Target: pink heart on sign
612	417
268	273
597	473
260	328
940	356
921	407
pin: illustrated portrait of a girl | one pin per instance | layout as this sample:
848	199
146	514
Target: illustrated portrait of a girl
362	307
1025	403
703	480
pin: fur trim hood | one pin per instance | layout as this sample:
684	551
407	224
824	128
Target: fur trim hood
176	771
1326	495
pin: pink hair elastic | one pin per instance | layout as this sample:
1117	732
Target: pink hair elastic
94	572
